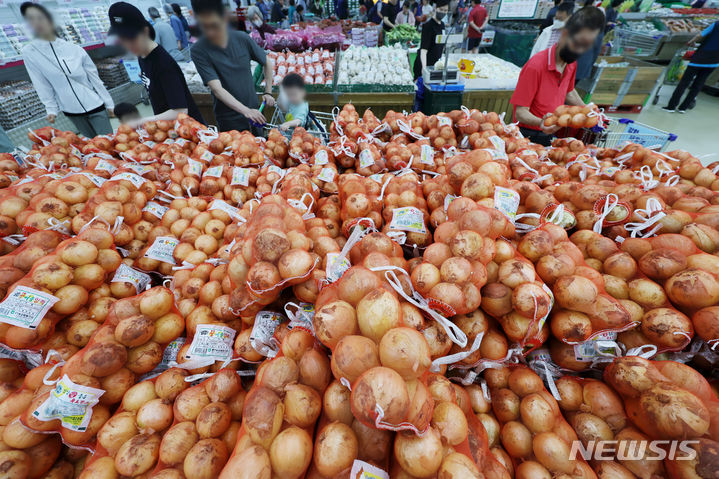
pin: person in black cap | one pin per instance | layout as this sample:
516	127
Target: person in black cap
161	75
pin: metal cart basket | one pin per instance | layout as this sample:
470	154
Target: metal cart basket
317	124
625	130
634	43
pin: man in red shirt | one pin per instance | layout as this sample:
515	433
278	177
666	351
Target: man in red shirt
547	80
477	20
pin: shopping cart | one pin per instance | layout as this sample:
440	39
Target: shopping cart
317	124
635	43
622	131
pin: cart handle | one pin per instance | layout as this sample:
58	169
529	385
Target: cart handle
672	137
625	121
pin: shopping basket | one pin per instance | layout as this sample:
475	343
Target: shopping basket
317	124
622	131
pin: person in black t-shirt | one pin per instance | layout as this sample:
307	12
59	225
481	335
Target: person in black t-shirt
161	75
388	14
429	50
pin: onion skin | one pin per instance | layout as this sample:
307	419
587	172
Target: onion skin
420	456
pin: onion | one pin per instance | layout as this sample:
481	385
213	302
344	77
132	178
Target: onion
119	429
314	370
302	405
189	404
291	452
251	463
336	403
457	466
553	453
334	321
406	351
263	415
213	420
378	312
223	386
278	373
205	460
381	387
138	455
419	456
171	383
450	422
374	445
336	448
177	442
154	416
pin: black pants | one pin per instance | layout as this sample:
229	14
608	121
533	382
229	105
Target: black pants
536	136
699	76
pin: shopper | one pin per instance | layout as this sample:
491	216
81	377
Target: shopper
342	9
478	19
126	112
585	63
429	50
612	13
405	16
64	76
164	35
262	5
222	57
178	12
177	27
551	34
702	63
388	13
254	15
161	75
277	14
550	15
547	80
299	15
423	11
292	101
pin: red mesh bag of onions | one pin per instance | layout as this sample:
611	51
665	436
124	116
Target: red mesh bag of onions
273	254
58	286
129	343
454	267
668	400
128	442
533	432
405	210
280	412
16	264
359	198
579	290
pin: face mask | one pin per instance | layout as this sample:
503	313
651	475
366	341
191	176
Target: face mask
257	23
568	55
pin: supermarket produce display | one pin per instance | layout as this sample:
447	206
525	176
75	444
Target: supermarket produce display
408	296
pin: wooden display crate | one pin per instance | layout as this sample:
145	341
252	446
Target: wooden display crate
621	86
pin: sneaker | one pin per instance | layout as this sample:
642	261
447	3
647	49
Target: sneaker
670	110
682	111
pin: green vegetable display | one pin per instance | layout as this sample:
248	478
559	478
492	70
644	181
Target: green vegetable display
402	34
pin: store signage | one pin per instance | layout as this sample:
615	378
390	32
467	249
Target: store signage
517	9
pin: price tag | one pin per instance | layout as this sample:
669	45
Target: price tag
276	169
426	155
376	177
327	175
444	121
229	209
408	218
181	141
150	144
169	359
212	341
336	266
195	167
366	159
139	169
172	134
506	201
162	249
125	274
155	209
136	180
240	176
498	143
262	335
321	158
96	180
215	172
363	470
588	350
610	171
25	307
448	200
71	403
496	154
207	156
168	141
105	165
303	317
30	358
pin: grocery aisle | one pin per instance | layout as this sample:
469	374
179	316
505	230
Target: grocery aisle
696	129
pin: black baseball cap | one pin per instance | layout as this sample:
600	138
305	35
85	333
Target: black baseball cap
126	21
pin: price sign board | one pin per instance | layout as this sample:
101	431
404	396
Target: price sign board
517	9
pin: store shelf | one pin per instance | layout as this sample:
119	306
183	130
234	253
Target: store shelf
19	61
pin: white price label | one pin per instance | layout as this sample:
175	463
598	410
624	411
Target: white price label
30	358
181	141
105	165
376	177
229	209
336	266
506	201
276	169
25	307
363	470
136	180
321	158
408	218
195	167
444	121
162	249
155	209
71	403
169	359
426	155
498	143
207	156
125	274
215	172
366	159
139	169
327	175
212	341
150	144
263	331
240	176
96	180
448	200
588	350
168	141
